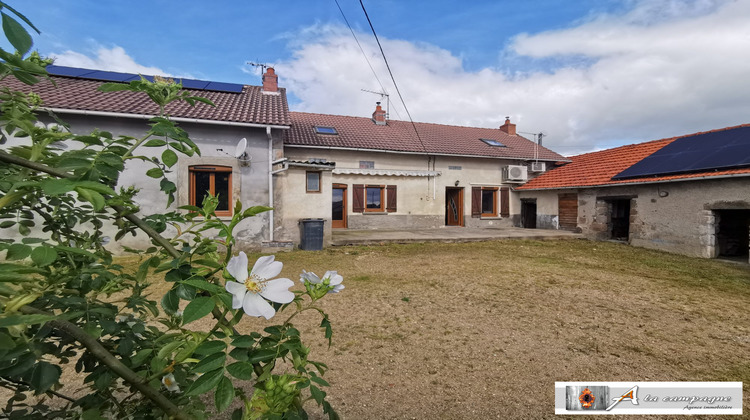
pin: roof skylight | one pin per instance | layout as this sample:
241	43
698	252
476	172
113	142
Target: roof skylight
325	130
494	143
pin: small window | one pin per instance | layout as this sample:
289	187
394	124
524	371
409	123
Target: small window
492	142
374	198
213	180
313	181
325	130
489	201
454	168
366	164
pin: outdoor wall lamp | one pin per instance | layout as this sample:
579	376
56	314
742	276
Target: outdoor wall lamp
456	184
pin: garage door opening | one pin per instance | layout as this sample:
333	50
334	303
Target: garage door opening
733	233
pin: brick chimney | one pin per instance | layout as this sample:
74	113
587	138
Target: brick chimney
508	127
378	117
270	81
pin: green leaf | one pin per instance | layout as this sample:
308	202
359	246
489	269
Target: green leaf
205	383
168	349
140	357
93	197
43	256
18	252
224	394
11	320
6	342
197	309
155	143
210	347
241	370
44	376
211	362
203	285
155	173
262	355
170	302
185	292
57	186
169	157
96	186
317	394
252	211
16	34
7	224
319	380
243	341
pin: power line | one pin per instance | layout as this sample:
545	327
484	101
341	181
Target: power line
392	78
363	51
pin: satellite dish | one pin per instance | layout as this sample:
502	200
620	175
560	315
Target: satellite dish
240	150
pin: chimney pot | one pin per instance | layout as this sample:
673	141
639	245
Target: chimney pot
270	80
378	117
508	127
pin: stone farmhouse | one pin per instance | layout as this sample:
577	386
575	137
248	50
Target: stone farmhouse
687	194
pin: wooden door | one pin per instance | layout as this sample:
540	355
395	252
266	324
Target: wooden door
528	213
454	206
338	206
567	211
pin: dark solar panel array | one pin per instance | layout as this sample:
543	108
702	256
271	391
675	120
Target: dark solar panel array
111	76
698	153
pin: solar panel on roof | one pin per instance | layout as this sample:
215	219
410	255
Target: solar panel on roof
111	76
224	87
700	152
492	142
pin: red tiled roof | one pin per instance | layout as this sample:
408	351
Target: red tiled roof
399	136
250	106
597	168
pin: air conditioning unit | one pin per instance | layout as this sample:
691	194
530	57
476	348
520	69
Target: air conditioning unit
538	167
515	173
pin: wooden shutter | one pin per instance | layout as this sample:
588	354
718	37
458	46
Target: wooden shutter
390	191
358	198
504	202
476	201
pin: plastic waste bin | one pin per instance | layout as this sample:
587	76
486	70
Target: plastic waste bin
311	234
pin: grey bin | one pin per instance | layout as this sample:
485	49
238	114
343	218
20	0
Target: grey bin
311	234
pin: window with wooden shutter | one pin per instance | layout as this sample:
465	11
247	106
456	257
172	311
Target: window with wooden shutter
476	201
391	198
505	202
358	198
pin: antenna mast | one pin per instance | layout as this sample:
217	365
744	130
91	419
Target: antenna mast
387	101
263	66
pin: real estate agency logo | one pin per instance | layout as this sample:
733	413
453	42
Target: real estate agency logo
597	398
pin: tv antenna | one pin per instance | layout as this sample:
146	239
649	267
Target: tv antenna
538	142
263	66
387	101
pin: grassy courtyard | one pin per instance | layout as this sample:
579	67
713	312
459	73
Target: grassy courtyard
483	330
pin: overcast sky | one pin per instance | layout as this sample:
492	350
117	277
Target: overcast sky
590	74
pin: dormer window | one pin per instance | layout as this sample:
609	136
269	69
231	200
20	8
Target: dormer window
325	130
493	143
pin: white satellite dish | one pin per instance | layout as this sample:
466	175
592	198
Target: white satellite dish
240	150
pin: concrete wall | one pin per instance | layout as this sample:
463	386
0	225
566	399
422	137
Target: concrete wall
421	199
217	144
546	208
295	203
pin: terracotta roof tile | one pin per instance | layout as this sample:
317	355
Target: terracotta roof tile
363	133
598	168
250	106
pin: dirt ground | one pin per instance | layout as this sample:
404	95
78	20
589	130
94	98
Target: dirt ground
483	330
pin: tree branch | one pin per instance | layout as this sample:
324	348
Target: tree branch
104	356
132	218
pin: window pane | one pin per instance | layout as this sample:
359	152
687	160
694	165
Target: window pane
366	164
221	188
313	181
373	197
338	204
202	187
488	201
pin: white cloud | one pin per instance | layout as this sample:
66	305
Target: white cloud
109	59
663	68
